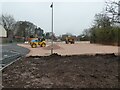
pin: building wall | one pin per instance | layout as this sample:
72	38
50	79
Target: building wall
3	32
3	35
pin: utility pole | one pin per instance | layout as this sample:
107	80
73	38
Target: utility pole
119	11
119	8
52	29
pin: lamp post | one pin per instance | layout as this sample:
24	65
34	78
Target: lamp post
119	8
119	11
52	29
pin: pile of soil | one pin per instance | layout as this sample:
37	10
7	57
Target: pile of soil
54	47
56	71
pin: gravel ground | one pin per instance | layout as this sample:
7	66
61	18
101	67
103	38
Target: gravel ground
71	49
55	71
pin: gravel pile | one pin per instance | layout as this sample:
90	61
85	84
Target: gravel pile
55	46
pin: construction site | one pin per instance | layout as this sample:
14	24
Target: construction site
78	65
60	44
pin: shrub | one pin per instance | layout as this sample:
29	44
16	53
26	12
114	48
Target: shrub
106	35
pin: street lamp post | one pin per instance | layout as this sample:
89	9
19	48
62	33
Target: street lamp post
52	29
119	11
119	8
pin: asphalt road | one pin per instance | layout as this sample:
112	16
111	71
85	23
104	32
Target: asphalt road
10	52
15	48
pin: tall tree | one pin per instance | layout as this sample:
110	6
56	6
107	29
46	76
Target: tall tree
25	29
102	21
113	10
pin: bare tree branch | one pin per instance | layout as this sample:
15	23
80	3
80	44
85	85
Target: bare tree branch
112	10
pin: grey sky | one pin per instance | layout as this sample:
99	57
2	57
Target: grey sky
72	17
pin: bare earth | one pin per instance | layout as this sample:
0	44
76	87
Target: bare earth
40	70
55	71
71	49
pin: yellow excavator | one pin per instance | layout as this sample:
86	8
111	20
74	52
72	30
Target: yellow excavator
70	40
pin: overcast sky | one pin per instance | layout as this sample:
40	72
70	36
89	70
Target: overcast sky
69	17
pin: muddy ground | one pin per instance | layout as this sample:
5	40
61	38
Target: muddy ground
55	71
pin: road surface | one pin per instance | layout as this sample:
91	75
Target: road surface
10	52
